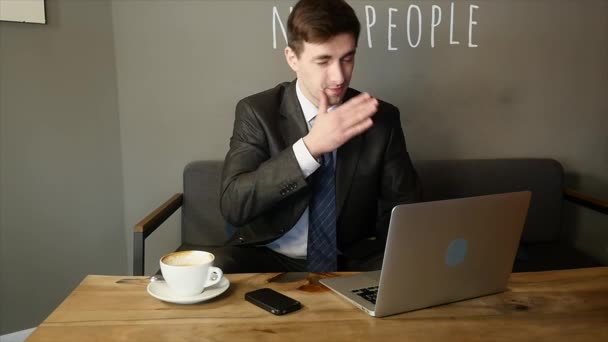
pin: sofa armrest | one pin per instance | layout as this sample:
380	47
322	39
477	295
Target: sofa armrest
586	200
147	225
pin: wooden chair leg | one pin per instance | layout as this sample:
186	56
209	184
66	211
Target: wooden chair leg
138	254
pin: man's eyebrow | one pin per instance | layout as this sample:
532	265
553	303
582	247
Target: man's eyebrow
326	57
322	57
350	53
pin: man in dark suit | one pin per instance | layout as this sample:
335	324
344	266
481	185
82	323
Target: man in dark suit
314	167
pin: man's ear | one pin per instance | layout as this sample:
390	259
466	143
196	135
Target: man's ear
291	58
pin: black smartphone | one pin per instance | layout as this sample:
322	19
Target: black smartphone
272	301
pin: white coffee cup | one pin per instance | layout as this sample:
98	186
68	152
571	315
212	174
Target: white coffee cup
188	273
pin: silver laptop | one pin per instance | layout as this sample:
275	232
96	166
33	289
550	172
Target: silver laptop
441	252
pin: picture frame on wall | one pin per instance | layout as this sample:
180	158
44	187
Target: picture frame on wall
23	11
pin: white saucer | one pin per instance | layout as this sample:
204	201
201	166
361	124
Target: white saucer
160	290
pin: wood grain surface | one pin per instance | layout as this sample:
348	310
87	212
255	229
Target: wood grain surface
570	305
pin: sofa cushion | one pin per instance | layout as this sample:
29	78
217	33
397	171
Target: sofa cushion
202	222
551	256
445	179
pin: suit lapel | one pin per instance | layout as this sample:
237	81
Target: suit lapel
348	157
292	124
346	165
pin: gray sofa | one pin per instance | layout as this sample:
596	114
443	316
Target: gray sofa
542	246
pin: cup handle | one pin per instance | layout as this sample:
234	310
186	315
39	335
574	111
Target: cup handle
214	276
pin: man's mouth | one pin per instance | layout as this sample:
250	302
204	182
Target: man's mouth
335	90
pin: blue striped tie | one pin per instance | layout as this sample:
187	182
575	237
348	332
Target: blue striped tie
322	249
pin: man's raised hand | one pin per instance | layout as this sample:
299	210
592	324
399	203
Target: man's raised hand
332	130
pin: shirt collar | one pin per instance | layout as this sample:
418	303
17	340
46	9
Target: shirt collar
308	108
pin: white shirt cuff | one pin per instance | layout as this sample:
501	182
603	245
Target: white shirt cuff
308	164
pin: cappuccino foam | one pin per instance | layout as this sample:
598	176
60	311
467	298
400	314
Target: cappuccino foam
187	258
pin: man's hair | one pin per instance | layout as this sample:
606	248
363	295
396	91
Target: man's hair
317	21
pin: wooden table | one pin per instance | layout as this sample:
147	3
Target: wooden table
569	305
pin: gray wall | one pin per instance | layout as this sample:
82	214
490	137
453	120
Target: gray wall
535	85
182	66
61	209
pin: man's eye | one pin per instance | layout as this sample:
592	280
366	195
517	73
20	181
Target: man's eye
347	59
322	63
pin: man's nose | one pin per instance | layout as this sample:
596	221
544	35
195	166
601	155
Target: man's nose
336	74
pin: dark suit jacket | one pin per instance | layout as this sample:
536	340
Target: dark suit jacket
263	190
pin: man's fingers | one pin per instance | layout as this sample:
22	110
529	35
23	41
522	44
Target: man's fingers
357	100
348	120
358	128
359	113
357	103
322	102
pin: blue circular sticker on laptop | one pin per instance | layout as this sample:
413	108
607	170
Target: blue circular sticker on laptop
456	252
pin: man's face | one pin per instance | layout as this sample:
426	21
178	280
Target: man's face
327	66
